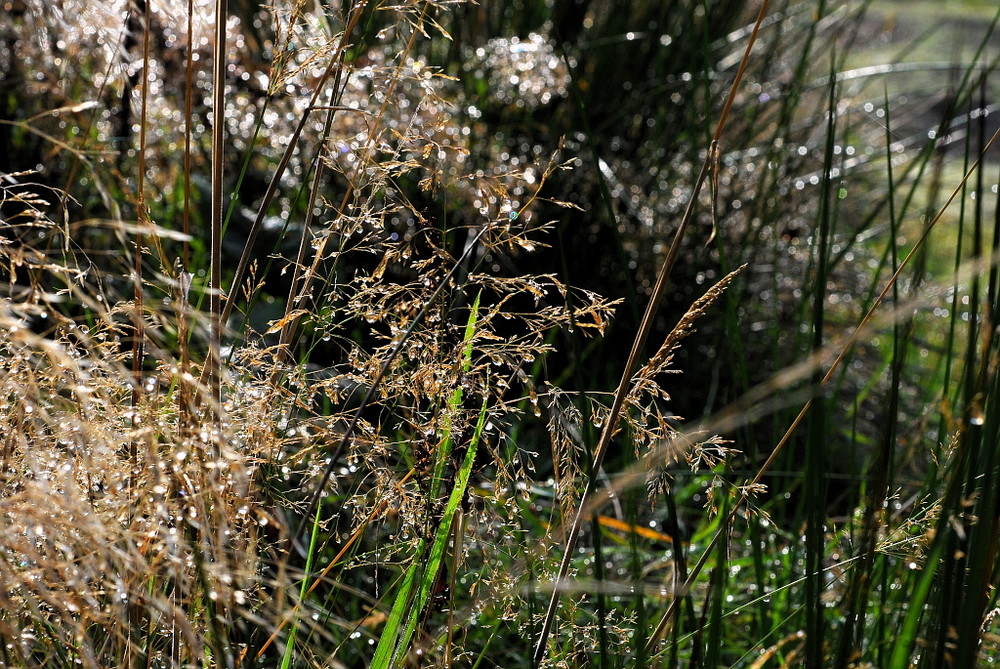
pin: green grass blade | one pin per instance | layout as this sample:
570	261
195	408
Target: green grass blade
907	637
286	659
389	650
387	646
444	530
454	404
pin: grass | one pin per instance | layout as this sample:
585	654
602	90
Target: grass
341	381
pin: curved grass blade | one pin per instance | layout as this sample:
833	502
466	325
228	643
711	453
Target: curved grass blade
286	659
389	652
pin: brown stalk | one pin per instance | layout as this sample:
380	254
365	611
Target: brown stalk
218	195
139	331
188	115
633	360
185	402
284	348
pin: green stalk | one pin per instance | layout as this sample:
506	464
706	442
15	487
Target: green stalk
815	479
424	568
286	659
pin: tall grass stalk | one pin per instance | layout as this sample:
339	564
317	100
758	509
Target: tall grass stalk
632	363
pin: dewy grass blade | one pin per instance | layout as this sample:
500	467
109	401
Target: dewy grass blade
289	654
443	533
390	649
454	402
387	647
906	639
